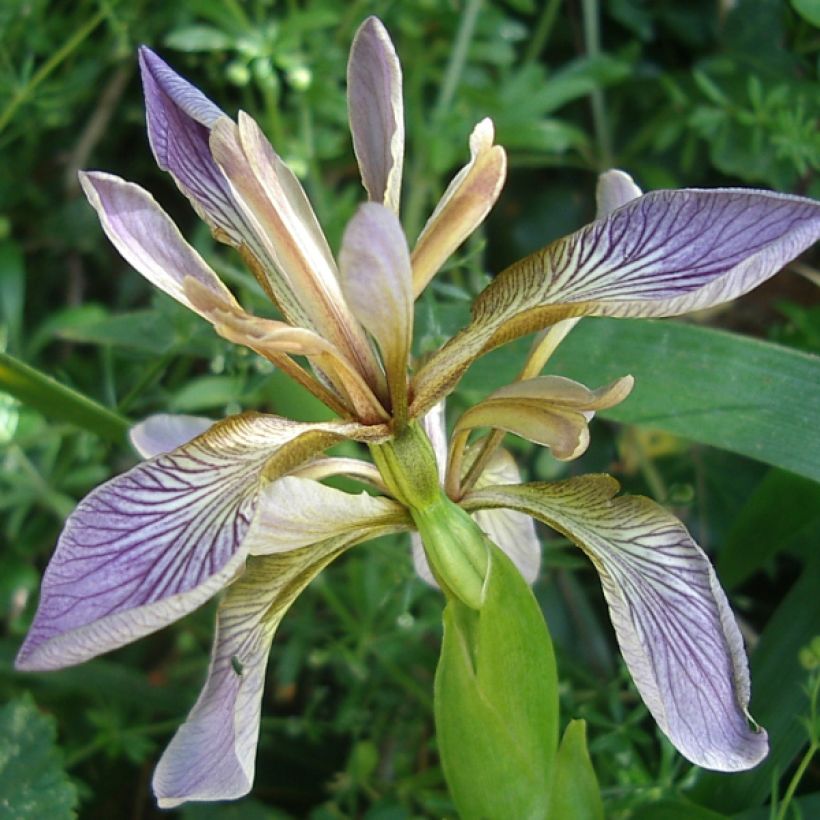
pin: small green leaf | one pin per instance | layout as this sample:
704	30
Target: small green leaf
199	38
57	401
809	10
496	702
143	330
675	810
575	792
32	780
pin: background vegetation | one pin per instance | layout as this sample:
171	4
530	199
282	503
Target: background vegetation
720	428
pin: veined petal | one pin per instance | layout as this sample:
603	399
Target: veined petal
153	544
377	284
434	424
672	620
376	111
615	188
179	119
212	755
296	512
548	410
662	254
328	467
463	206
147	238
164	432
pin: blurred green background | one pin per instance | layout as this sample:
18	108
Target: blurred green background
722	429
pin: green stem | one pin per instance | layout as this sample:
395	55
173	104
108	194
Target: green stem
542	32
458	57
592	40
795	781
47	68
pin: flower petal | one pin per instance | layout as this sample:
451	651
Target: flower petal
212	755
513	531
374	101
164	432
296	512
151	545
179	119
548	410
665	253
377	284
615	188
148	239
463	206
672	620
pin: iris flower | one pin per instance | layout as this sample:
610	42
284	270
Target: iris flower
237	506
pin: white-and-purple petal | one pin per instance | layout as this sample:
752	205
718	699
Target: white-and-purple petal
674	625
164	432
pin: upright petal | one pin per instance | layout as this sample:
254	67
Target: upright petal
164	432
212	755
672	620
463	206
662	254
615	188
153	544
179	119
377	284
148	239
376	111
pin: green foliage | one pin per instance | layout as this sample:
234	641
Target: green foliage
32	780
694	94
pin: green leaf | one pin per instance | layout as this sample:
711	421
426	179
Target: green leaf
199	38
145	330
575	792
740	394
809	10
783	507
57	401
12	289
778	696
496	702
32	780
675	810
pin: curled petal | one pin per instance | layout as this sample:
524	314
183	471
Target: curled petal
376	111
548	410
676	631
148	239
377	284
179	119
164	432
615	188
463	207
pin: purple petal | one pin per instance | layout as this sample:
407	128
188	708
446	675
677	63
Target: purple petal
211	757
151	545
672	620
376	112
179	120
164	432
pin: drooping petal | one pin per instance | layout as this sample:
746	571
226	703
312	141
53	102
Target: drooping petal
376	111
377	284
463	206
179	119
148	239
615	188
212	755
676	631
355	468
296	512
153	544
548	410
662	254
164	432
